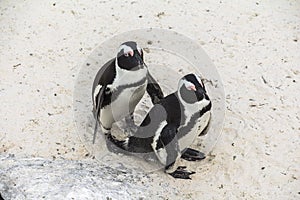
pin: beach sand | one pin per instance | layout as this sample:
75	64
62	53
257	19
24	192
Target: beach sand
253	44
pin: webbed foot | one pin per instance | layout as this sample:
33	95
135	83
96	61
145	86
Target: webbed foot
181	173
192	155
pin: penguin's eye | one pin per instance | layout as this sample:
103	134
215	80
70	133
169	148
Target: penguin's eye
107	90
129	53
191	87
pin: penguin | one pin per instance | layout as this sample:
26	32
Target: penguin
171	126
119	85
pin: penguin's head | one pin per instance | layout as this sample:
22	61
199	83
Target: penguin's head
130	56
191	89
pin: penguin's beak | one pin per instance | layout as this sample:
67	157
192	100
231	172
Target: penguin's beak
201	94
206	96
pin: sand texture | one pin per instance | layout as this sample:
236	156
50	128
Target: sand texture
44	45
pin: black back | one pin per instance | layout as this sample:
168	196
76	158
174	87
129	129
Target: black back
106	74
104	77
168	109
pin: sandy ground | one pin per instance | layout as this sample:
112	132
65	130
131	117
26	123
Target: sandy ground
254	45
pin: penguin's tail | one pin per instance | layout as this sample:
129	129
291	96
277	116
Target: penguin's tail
122	144
132	144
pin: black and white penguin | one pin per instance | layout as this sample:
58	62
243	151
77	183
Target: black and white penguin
172	125
119	85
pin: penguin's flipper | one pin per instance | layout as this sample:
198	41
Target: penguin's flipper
98	102
154	90
192	155
168	142
205	130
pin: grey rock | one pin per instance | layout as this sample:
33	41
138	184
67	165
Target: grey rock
38	178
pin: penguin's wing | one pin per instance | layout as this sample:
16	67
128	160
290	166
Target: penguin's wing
168	137
154	90
106	74
205	130
156	114
169	142
155	118
104	77
99	97
152	124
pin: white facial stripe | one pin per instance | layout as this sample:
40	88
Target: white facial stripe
199	80
139	49
188	84
181	81
125	48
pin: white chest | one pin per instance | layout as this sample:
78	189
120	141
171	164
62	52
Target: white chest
196	129
125	77
122	105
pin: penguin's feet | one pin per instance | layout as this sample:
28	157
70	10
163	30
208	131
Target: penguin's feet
181	173
192	155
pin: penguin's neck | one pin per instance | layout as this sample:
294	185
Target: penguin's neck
127	77
188	109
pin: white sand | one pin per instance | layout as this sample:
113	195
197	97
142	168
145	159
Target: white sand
254	45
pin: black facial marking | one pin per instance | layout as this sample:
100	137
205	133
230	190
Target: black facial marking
192	78
129	62
191	96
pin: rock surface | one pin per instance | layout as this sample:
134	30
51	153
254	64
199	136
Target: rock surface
65	179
